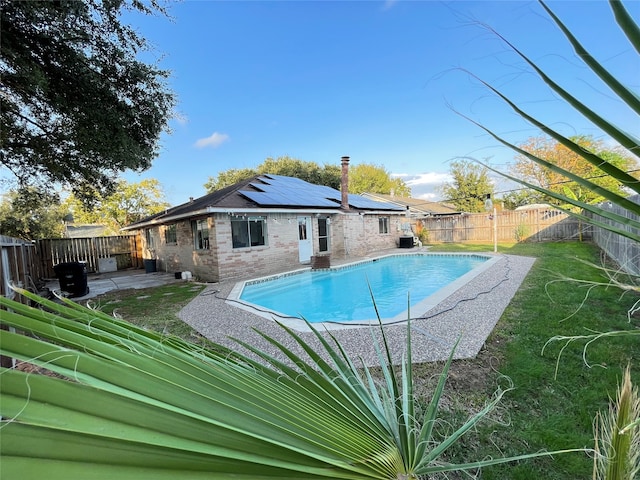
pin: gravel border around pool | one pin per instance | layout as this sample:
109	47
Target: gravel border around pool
471	312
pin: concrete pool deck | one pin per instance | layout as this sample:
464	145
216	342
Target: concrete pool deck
417	310
470	312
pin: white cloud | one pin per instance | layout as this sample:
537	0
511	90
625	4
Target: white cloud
214	141
430	178
424	185
389	4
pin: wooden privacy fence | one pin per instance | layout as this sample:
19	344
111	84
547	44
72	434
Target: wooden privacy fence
623	250
125	249
538	225
19	265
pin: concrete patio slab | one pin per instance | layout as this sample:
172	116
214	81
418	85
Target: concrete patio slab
103	283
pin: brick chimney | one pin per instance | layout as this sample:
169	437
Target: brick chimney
344	185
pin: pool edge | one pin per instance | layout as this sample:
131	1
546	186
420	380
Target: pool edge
418	310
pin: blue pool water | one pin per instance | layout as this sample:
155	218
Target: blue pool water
342	294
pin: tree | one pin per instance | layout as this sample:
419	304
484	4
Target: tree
365	177
362	177
77	105
32	214
228	177
521	197
556	153
308	171
469	188
618	437
621	224
291	167
129	203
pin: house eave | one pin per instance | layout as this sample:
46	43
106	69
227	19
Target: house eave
210	210
256	210
376	212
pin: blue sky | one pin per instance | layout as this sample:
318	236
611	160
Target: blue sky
377	81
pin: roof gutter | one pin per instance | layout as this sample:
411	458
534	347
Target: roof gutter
210	210
229	211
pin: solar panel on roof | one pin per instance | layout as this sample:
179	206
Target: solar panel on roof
358	201
278	190
287	199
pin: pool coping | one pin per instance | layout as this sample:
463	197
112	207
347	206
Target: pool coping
418	310
468	317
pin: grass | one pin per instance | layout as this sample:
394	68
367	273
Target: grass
544	411
153	308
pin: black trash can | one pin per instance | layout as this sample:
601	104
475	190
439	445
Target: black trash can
73	278
150	265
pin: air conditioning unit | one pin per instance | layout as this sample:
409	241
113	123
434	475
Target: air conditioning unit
405	242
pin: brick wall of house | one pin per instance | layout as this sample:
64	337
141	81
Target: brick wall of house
182	256
350	235
363	237
280	252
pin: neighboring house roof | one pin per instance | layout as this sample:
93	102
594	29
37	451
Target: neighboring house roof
534	206
12	241
89	230
415	205
270	193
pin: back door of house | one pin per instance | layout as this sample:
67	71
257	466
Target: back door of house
304	239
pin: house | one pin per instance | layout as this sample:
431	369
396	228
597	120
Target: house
265	223
417	210
416	207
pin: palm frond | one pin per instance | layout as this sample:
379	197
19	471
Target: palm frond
135	404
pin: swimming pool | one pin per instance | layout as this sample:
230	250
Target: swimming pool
341	294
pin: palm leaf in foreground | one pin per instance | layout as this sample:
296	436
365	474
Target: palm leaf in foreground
596	215
618	435
135	404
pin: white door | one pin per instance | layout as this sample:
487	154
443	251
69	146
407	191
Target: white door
305	245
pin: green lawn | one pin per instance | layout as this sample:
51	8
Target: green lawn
548	411
542	412
153	308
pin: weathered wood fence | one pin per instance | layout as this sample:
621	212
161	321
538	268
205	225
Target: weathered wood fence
538	225
25	263
125	249
624	251
19	265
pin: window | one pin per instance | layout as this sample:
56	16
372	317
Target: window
170	235
248	231
200	234
323	234
383	224
302	228
148	237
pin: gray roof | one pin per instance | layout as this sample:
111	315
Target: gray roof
416	205
86	230
271	192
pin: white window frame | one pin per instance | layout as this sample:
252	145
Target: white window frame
383	225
